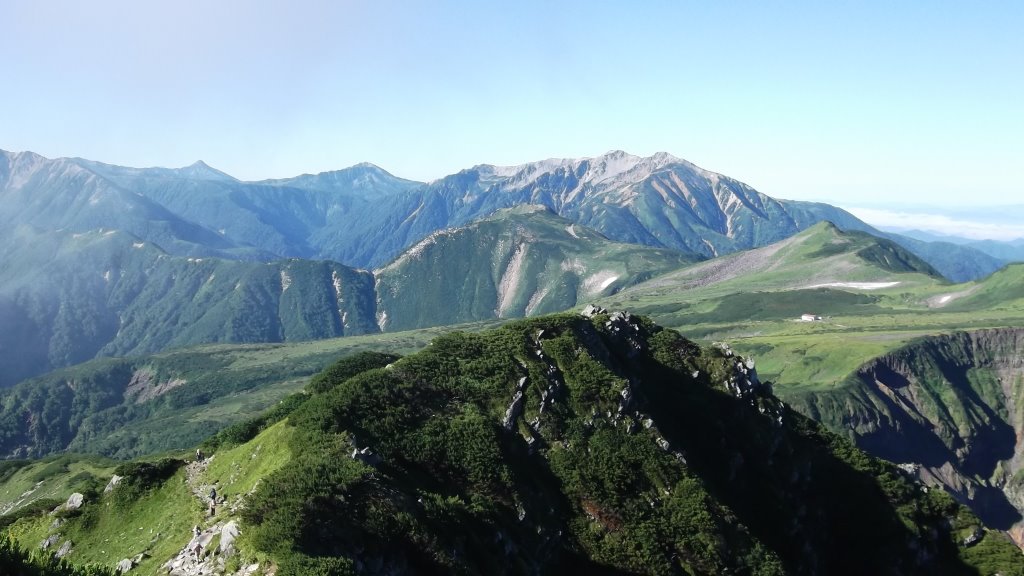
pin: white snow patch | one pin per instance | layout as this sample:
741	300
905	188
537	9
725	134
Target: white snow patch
571	229
138	244
856	285
510	279
286	280
599	281
944	299
382	320
106	276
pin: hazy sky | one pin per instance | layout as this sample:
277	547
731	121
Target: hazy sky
849	102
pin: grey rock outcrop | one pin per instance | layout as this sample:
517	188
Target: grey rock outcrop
50	541
114	481
228	534
513	411
366	456
64	549
74	501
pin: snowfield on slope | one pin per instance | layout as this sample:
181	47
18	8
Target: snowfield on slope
856	285
598	282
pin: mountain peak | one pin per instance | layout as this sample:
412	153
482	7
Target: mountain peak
368	166
204	171
365	177
659	158
614	166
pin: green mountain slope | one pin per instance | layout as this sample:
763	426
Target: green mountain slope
1003	291
109	293
821	256
518	262
136	406
66	298
871	296
554	445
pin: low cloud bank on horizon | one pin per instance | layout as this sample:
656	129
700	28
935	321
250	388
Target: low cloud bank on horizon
972	227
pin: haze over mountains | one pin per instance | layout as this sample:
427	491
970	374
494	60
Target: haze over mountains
1008	250
108	260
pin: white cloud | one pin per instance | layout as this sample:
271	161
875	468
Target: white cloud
940	224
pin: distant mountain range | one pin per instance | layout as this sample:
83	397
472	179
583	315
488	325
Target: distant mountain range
1008	250
108	260
364	217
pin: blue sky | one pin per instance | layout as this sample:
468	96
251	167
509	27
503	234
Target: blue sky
854	103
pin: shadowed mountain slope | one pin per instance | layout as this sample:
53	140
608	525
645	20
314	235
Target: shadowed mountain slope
951	406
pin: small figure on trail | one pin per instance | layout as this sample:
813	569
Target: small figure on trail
199	455
195	531
213	501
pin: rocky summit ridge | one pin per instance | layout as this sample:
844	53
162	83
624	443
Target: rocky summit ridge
595	442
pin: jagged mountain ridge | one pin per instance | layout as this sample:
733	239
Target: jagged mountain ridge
560	444
659	201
